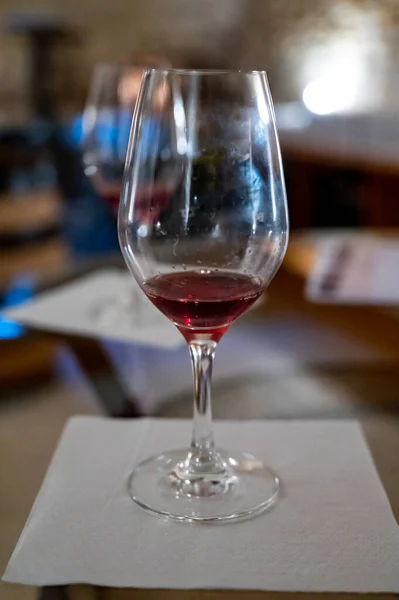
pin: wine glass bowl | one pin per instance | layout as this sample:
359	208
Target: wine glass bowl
106	126
107	120
203	227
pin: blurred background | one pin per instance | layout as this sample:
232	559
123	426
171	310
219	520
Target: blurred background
332	67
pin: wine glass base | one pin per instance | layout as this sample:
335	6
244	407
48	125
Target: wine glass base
234	488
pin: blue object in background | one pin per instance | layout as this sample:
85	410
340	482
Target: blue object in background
111	132
89	226
10	330
21	289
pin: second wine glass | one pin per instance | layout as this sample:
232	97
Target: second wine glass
106	127
203	227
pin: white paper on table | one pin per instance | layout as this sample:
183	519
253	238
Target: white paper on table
356	270
75	308
332	529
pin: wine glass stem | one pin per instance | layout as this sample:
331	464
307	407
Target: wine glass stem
202	355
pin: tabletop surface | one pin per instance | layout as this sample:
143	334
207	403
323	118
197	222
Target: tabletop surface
375	385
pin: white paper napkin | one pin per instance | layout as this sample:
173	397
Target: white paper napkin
80	308
355	269
332	529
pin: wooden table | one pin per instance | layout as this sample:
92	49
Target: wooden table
376	325
30	213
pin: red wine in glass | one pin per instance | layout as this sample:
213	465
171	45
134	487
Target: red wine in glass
203	302
150	200
203	186
111	197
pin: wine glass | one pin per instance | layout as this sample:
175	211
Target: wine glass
203	227
106	126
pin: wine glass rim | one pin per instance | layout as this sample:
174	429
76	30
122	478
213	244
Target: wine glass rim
206	71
